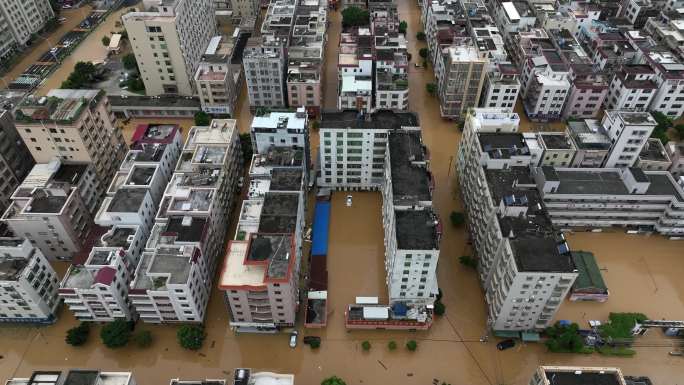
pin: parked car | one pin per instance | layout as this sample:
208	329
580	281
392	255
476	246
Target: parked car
505	344
293	339
241	182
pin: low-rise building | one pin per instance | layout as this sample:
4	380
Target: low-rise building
653	156
173	279
245	376
676	153
54	206
577	375
501	87
281	129
558	149
29	284
353	146
219	75
356	92
649	201
591	143
492	120
75	377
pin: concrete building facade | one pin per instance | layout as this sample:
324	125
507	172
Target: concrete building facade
460	73
628	133
168	40
219	76
264	63
29	284
632	88
15	159
19	20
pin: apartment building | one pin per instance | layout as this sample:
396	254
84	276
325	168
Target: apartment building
669	76
15	159
460	73
353	146
391	71
501	86
219	75
513	16
628	132
578	375
168	40
638	12
75	377
355	68
649	201
19	20
172	282
492	120
264	64
281	129
524	263
591	143
53	207
445	24
632	88
96	286
29	284
667	33
73	125
412	229
557	149
653	156
244	376
588	92
675	151
260	277
545	86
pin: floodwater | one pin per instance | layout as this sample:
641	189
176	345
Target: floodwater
73	19
643	274
91	49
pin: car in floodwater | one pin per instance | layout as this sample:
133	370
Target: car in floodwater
293	339
505	344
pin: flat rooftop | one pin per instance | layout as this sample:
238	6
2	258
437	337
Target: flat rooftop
186	228
11	268
559	141
286	179
588	135
154	133
117	237
275	249
236	272
279	157
417	229
503	145
44	203
279	213
127	200
409	179
654	151
70	173
174	262
582	378
141	175
146	152
383	119
81	377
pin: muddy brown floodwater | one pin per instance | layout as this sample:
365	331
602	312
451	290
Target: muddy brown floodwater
643	274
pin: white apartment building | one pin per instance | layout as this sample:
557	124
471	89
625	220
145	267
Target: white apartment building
437	21
632	88
218	76
669	76
173	279
626	197
391	72
653	156
524	264
19	20
356	92
460	73
675	152
591	143
668	33
29	284
75	377
412	229
513	16
628	132
168	40
501	87
353	146
53	208
264	63
550	375
260	276
492	120
15	159
638	12
280	129
545	87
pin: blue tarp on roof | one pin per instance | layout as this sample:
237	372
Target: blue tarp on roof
320	229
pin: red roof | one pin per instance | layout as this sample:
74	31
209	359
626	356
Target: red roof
105	276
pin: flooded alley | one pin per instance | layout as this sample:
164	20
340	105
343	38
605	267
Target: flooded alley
643	274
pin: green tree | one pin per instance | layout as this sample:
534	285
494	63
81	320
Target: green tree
191	336
420	36
457	218
334	380
403	26
440	309
82	75
202	119
129	62
423	53
56	6
680	131
143	338
366	345
116	334
392	345
78	335
412	345
315	343
246	145
431	88
355	17
316	125
468	261
105	41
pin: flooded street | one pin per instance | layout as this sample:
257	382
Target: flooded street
91	49
642	273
